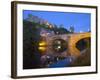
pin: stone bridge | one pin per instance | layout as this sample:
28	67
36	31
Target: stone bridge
74	38
71	40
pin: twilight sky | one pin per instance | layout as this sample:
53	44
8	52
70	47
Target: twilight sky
80	21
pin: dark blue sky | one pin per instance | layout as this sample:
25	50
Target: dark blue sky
80	21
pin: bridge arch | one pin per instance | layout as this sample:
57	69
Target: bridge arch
73	50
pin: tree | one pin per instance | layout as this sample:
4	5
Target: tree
63	30
71	29
31	37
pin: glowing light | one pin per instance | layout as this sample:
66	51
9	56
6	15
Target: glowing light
42	46
42	49
42	43
59	47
